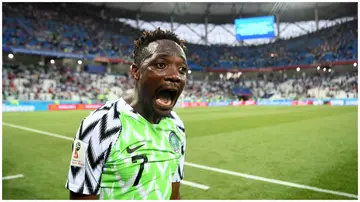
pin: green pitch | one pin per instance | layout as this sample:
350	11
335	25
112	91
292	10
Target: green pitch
308	145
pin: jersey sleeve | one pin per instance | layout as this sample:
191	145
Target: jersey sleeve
91	147
179	174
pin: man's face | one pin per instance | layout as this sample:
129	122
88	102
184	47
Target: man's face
161	76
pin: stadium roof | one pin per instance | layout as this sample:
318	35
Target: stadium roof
223	13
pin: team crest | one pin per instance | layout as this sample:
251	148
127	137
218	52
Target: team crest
174	142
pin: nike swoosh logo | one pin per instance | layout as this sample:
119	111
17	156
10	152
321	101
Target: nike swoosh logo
128	150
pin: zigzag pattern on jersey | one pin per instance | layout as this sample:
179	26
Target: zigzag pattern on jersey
179	124
177	121
100	131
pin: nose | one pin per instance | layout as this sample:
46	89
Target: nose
173	78
173	74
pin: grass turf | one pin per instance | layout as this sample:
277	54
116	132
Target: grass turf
310	145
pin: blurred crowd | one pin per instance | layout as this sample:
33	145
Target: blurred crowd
332	44
65	28
59	83
68	29
315	85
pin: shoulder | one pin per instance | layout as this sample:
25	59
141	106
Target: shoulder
102	124
177	121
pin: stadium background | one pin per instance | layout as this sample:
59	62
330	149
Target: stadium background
68	58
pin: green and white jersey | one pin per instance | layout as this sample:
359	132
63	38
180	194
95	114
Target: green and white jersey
117	154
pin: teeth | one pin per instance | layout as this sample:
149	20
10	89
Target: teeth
164	102
164	98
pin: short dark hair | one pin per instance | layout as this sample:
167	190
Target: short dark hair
151	36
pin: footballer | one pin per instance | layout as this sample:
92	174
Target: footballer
133	148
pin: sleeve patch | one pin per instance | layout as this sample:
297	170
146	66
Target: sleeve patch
79	153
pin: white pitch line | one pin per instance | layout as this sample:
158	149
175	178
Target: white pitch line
38	131
188	183
196	185
12	177
254	177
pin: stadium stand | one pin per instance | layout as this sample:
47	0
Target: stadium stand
31	26
59	83
57	31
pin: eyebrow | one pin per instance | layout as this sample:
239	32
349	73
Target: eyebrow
167	55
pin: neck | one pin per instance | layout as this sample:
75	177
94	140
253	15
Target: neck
141	107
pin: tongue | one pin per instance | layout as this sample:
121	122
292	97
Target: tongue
164	98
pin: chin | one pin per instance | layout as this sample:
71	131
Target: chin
162	113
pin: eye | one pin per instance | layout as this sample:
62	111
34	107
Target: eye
183	70
160	65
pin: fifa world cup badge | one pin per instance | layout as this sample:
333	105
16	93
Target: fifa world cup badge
77	148
174	142
79	154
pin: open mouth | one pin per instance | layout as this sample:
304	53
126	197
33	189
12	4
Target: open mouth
165	98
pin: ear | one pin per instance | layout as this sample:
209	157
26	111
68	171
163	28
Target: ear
135	71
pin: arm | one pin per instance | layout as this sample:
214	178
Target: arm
76	196
175	195
89	154
85	168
